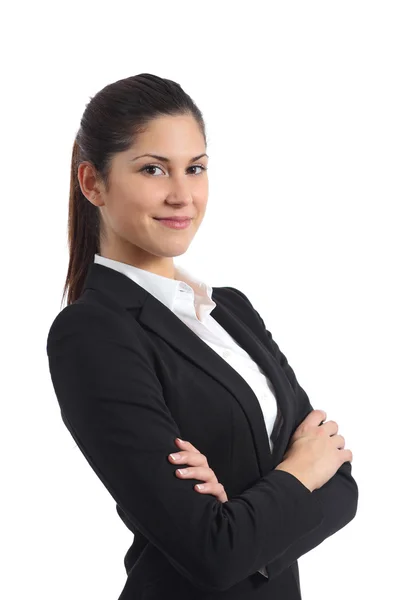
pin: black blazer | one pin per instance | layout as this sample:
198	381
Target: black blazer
130	377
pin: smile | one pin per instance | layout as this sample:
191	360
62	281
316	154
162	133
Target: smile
172	224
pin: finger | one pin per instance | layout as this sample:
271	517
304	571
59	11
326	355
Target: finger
216	490
194	459
331	427
185	445
203	474
315	417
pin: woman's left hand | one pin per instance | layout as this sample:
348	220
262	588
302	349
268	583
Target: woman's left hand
198	469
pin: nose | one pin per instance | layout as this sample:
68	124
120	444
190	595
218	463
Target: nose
180	189
180	192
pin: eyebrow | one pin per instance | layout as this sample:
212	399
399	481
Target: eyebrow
165	159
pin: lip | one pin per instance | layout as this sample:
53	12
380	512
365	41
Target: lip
181	223
173	218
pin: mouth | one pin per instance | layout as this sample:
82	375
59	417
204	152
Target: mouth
175	223
173	218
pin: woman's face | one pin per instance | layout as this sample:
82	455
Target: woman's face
143	189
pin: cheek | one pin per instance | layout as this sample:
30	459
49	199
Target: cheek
124	214
202	194
202	204
132	205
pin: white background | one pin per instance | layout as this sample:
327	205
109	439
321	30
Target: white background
301	102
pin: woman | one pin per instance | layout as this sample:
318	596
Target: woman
145	353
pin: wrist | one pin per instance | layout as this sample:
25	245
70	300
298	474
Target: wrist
285	466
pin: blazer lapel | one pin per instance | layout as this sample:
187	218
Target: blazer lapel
155	316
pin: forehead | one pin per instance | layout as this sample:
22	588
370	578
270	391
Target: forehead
179	134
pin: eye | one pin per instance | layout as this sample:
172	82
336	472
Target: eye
149	167
201	167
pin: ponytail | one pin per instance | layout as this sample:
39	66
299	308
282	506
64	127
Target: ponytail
83	222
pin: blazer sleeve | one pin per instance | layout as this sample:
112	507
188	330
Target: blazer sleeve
112	403
338	497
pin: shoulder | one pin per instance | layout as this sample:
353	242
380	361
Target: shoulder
238	303
232	295
85	317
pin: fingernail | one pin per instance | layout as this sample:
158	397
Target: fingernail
174	456
179	440
200	486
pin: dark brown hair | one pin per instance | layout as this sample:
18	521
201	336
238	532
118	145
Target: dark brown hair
111	122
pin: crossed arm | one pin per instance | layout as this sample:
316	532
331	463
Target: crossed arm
338	498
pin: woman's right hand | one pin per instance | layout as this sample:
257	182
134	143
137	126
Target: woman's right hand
315	451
